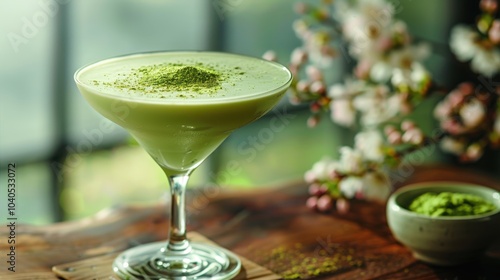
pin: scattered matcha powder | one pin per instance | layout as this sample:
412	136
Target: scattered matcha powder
170	77
450	204
297	262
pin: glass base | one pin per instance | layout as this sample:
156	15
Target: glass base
151	262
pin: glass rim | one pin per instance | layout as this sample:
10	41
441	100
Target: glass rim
199	101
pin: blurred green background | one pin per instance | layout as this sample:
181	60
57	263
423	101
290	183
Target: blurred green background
69	168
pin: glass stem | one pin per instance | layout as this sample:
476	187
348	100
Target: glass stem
177	241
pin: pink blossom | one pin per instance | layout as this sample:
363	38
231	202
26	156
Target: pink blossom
442	110
328	51
384	44
317	87
312	121
362	70
314	73
312	202
414	136
298	56
317	189
466	88
489	6
301	8
494	33
453	126
342	205
324	203
394	137
407	125
388	129
294	69
405	107
455	98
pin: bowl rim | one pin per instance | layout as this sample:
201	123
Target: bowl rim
433	184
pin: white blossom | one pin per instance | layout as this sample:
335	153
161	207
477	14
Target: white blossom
452	145
342	112
376	186
472	113
351	161
381	71
370	143
486	62
321	170
351	185
376	107
462	42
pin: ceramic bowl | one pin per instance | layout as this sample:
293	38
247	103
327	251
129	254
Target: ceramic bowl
443	240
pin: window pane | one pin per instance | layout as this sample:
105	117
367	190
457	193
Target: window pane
26	120
118	176
103	29
276	149
33	194
253	27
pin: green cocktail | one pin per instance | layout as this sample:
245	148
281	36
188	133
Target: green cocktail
180	106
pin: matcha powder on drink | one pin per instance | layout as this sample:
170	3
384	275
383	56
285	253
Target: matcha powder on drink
171	77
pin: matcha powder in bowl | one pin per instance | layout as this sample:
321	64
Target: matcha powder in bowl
450	204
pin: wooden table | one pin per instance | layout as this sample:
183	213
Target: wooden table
270	227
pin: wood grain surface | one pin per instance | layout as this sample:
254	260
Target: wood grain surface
270	227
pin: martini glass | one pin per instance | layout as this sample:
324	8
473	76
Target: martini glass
180	129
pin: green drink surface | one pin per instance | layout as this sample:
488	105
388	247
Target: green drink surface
180	126
241	77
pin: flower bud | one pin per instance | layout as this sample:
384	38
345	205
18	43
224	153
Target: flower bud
489	6
324	203
473	152
270	55
310	176
317	189
301	8
313	121
312	202
315	107
388	129
303	86
314	73
407	125
318	87
394	137
342	205
494	32
298	56
413	136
